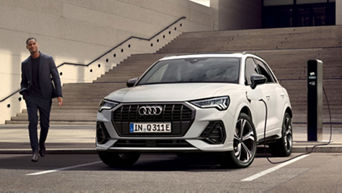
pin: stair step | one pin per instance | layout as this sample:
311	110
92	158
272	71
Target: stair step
52	122
70	110
65	114
61	118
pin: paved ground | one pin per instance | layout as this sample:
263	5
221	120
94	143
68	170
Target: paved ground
71	165
81	139
318	172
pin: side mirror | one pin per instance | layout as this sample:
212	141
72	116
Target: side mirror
257	79
131	82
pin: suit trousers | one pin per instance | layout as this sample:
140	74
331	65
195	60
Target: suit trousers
35	104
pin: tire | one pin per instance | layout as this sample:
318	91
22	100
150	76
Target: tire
114	159
244	144
283	146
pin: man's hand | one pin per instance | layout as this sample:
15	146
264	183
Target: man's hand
60	101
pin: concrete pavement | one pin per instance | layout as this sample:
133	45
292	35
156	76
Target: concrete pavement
81	139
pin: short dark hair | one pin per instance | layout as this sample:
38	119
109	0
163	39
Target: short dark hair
30	38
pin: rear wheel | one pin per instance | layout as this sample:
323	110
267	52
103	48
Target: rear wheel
114	159
283	146
244	144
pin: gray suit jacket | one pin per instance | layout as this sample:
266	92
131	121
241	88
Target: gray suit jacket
48	75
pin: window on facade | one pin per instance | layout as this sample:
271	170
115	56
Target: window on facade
296	13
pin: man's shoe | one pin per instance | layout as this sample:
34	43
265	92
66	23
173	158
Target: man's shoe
35	157
42	152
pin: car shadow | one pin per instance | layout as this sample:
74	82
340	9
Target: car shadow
147	162
175	162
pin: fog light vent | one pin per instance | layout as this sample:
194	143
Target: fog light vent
102	135
214	133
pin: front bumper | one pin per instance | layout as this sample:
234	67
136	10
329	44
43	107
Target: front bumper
191	141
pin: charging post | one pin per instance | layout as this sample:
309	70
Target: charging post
315	100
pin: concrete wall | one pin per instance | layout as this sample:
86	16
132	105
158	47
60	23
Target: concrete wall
79	31
338	12
232	14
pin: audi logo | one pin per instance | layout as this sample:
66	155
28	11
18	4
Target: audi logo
150	110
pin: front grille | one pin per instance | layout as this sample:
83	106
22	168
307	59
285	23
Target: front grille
152	143
179	115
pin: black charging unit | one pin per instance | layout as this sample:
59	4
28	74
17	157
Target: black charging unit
315	100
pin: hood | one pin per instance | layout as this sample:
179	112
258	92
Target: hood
172	92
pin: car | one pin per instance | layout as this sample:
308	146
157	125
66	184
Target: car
197	103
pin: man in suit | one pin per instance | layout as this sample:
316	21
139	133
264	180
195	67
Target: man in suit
40	83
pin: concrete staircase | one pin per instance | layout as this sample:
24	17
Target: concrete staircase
258	39
286	50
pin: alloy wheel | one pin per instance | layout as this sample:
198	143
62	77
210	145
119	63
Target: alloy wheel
287	136
244	141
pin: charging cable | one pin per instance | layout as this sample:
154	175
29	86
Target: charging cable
308	152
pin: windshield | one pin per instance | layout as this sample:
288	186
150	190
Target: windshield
220	69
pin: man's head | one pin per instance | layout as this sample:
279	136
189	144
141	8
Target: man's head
32	45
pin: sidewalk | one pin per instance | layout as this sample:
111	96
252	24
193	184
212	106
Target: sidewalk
81	139
14	139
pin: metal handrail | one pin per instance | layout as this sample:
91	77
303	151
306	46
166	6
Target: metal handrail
15	92
118	45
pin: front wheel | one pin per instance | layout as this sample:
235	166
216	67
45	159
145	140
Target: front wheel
244	144
114	159
283	146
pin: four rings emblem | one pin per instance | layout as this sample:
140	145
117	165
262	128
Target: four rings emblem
150	110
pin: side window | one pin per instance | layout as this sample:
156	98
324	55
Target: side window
264	70
250	69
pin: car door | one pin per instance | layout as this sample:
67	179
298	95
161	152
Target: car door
257	108
273	93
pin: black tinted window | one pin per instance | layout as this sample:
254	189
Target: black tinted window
218	69
250	69
264	70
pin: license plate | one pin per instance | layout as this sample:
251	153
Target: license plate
150	127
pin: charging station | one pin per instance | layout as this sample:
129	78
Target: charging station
315	100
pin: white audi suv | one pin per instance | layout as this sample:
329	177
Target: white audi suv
222	103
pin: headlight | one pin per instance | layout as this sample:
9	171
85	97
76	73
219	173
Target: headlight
107	105
221	103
